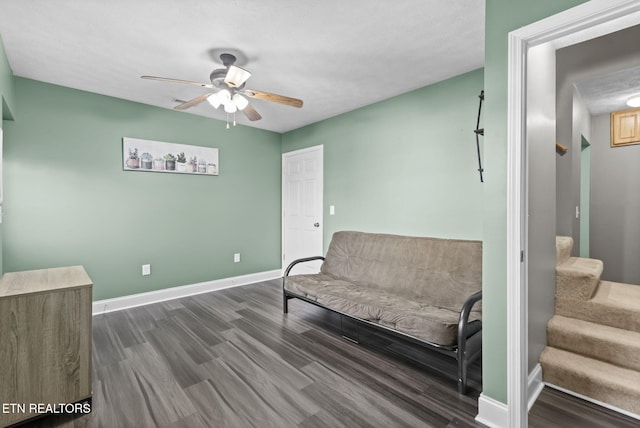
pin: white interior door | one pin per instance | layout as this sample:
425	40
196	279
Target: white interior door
302	175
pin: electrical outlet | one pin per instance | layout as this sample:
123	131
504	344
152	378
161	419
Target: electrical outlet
332	210
146	270
236	258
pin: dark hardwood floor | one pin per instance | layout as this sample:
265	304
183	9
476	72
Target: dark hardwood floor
230	358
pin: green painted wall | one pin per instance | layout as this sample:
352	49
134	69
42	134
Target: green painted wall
405	165
7	94
68	201
501	17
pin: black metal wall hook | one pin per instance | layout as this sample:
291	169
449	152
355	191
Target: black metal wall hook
479	131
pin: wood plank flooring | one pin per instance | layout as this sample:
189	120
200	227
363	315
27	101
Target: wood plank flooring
230	358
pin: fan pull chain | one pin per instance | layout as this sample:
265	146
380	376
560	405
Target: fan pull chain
234	118
227	120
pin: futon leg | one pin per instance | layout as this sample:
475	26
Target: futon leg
462	375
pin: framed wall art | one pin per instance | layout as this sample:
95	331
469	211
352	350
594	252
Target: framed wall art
173	158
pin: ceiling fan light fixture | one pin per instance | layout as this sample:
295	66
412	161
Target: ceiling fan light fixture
214	100
230	107
224	96
634	101
236	76
240	101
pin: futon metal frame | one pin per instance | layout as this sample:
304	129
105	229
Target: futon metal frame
468	349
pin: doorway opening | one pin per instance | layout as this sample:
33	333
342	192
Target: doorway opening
581	23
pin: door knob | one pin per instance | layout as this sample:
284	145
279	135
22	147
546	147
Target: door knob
316	224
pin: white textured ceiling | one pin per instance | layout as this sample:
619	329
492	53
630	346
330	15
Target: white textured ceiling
336	55
610	92
606	67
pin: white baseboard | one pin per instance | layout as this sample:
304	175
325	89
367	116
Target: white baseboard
535	385
492	413
124	302
495	414
591	400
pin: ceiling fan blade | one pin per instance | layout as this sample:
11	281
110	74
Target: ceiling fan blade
188	82
193	102
268	96
251	113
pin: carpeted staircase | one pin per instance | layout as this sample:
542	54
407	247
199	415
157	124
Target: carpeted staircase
593	340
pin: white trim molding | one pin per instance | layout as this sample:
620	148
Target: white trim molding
492	413
495	414
591	400
535	385
517	301
133	300
318	148
583	22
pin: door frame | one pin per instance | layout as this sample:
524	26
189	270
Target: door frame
285	155
579	23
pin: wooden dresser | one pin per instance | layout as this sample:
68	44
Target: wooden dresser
45	341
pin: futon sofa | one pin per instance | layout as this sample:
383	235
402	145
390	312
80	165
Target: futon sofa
424	289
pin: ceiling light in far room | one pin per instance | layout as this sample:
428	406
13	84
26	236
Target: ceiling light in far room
634	101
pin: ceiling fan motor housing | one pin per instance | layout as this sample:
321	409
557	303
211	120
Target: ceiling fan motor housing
227	59
217	78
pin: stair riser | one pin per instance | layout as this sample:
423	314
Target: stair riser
611	395
622	393
578	278
564	245
599	314
624	354
578	288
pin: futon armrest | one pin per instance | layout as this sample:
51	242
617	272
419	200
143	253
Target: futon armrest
295	262
463	321
468	347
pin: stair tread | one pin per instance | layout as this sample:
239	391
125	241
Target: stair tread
617	294
578	278
580	266
602	381
592	329
610	344
601	310
598	369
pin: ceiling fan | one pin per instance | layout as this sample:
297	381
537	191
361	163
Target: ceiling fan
228	90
